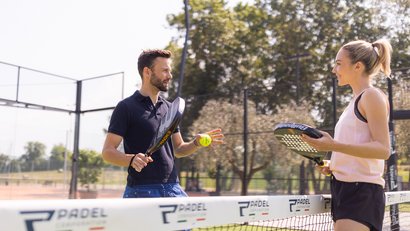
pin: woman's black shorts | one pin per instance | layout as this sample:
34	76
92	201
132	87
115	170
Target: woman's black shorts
358	201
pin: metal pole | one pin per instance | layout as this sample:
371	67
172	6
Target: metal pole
302	178
183	58
18	84
122	85
218	179
297	57
392	163
334	80
297	78
181	70
245	143
65	159
74	167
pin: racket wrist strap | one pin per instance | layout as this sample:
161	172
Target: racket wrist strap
132	159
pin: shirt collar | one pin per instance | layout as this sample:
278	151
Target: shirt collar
138	96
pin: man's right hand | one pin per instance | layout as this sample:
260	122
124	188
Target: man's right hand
140	161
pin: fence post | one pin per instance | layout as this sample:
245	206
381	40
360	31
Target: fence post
245	143
302	179
74	168
392	163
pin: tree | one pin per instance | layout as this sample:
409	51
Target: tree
222	49
90	165
256	46
57	157
263	148
395	15
34	156
4	162
401	128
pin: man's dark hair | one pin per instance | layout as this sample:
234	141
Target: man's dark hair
147	58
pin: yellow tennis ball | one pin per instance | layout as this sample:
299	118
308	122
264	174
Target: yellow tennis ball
205	140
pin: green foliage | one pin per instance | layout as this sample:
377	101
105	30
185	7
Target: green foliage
58	153
263	149
4	162
90	165
221	50
34	158
401	128
257	47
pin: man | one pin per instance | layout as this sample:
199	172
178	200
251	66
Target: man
135	120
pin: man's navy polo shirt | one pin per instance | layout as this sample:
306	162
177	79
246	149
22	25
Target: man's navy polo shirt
136	120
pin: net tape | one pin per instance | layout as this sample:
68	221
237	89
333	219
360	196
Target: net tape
306	212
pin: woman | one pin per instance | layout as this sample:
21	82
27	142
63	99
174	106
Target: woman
361	142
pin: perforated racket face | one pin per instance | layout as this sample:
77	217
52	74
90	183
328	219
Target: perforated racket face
168	124
289	134
294	142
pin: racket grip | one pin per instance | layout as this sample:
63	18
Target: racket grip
322	164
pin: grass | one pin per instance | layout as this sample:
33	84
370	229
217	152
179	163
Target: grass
403	172
110	177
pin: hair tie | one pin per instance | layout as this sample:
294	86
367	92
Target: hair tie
375	49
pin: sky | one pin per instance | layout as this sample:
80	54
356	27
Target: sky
77	39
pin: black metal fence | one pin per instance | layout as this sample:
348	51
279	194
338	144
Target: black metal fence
251	157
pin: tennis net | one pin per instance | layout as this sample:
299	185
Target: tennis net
296	212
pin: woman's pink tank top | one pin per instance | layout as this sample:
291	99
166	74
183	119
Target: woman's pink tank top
349	129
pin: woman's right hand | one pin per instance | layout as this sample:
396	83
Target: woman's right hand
324	169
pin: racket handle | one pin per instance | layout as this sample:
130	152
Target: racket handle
322	164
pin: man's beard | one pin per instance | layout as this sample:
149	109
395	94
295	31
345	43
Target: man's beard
155	81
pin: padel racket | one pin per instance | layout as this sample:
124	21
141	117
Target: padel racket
289	134
167	125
